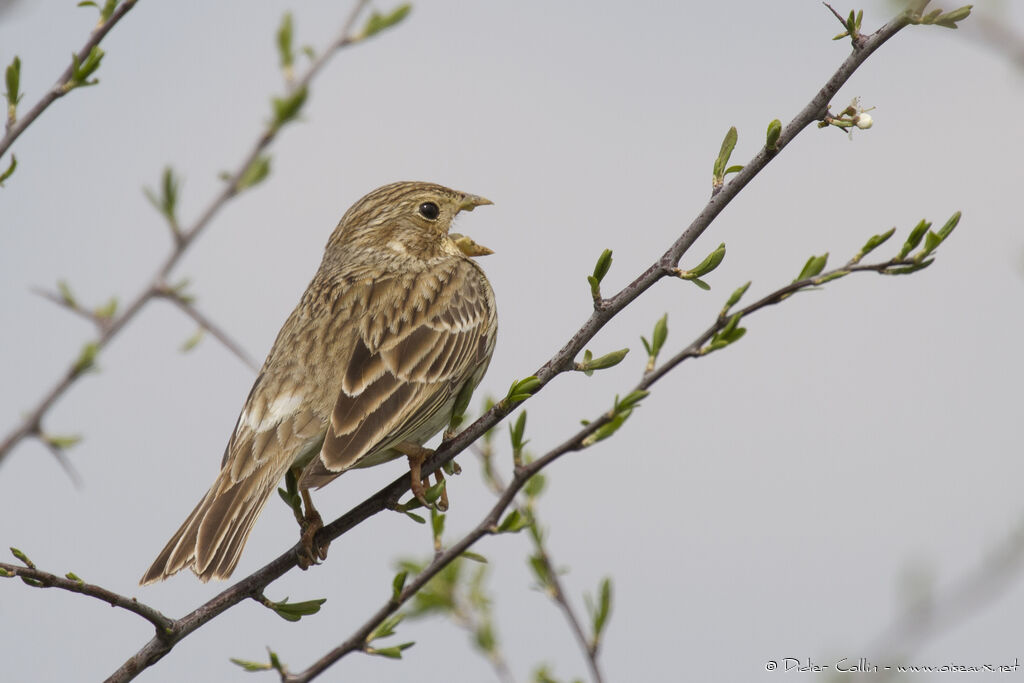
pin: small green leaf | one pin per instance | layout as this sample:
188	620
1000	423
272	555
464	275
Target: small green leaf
73	577
772	137
10	170
914	239
167	201
873	243
378	22
414	517
293	611
193	341
22	557
521	390
630	400
394	652
513	522
398	584
735	297
534	485
62	442
12	77
516	432
288	107
813	267
476	557
285	51
599	612
712	261
609	360
728	144
80	71
65	294
385	628
604	262
255	173
250	666
86	358
946	229
107	310
437	526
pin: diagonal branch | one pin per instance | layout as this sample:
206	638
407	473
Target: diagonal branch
562	361
58	90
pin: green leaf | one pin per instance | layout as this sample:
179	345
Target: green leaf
772	137
609	360
86	358
813	267
513	522
437	526
914	239
516	432
873	243
946	229
604	262
599	612
255	173
285	50
65	294
288	107
73	577
80	71
476	557
22	557
534	485
397	584
293	611
107	310
521	390
10	170
630	400
12	77
63	442
385	628
394	652
378	22
735	297
414	517
167	201
193	341
712	261
728	144
246	664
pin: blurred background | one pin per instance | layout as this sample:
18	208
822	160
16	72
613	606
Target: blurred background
858	452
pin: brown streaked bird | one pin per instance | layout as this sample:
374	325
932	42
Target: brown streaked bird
396	326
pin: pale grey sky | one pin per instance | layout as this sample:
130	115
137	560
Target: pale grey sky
765	502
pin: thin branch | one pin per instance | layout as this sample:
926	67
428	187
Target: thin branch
205	323
30	426
58	90
562	361
40	579
489	524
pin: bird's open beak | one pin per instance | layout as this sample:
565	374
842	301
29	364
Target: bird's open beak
468	247
471	201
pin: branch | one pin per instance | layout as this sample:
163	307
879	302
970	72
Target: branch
205	323
31	424
59	90
40	579
604	310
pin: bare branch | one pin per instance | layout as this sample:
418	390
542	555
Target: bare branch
230	344
41	579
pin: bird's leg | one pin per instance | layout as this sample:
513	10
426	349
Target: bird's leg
416	455
311	552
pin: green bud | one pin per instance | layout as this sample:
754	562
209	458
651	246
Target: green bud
287	108
728	144
772	137
814	266
378	22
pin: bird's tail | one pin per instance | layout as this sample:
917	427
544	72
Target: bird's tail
211	540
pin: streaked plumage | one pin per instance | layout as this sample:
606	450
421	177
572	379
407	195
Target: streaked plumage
396	322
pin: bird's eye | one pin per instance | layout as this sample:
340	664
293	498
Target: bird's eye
429	210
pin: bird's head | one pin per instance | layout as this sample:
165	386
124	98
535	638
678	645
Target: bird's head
405	219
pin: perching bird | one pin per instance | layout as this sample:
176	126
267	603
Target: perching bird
397	324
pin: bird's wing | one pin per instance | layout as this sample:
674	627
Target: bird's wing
431	334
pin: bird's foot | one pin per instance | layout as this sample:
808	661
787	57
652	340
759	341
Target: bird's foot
310	552
417	455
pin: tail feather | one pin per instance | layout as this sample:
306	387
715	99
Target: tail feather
211	540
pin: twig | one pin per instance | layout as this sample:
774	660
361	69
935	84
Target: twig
30	426
58	90
41	579
230	344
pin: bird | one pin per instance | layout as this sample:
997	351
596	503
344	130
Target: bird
390	338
